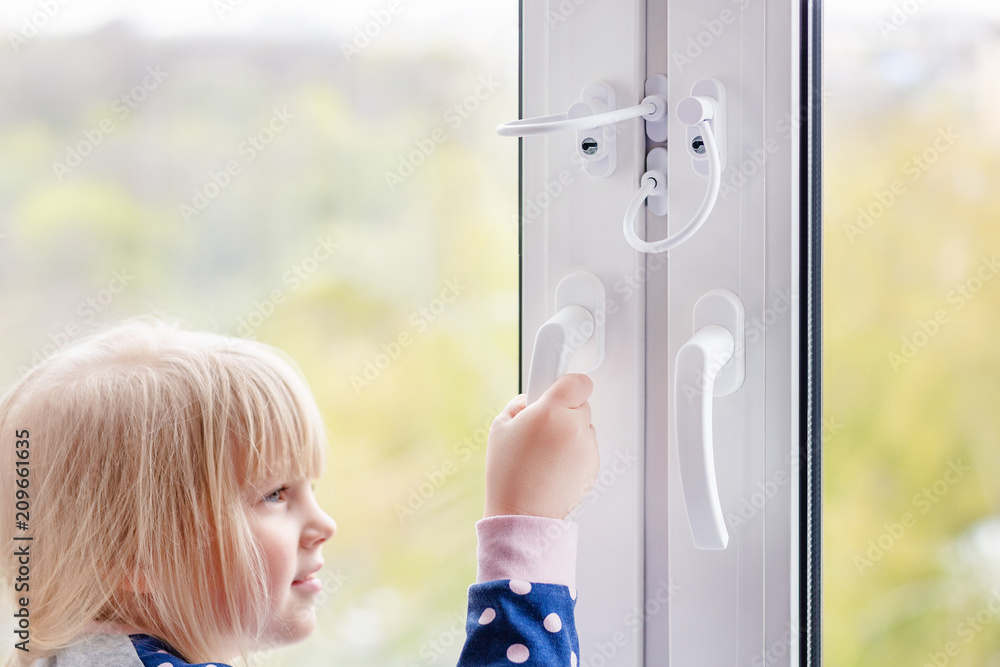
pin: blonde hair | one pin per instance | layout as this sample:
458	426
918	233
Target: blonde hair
144	441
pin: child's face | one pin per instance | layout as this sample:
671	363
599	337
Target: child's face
290	527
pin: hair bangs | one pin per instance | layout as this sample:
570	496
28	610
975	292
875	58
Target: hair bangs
275	419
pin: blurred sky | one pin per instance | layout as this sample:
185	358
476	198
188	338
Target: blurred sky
885	7
476	24
480	27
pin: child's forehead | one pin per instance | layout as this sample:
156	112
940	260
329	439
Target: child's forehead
274	448
262	472
287	477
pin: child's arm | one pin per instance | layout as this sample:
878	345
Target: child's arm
540	463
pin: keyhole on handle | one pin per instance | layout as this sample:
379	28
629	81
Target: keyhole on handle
589	145
698	144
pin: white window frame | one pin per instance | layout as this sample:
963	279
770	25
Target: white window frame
647	596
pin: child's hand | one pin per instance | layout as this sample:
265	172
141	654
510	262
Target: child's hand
542	460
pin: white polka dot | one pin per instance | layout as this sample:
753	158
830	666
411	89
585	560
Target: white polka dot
165	664
517	653
572	593
520	587
487	616
552	622
572	659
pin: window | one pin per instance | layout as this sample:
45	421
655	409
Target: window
911	373
326	178
319	176
660	591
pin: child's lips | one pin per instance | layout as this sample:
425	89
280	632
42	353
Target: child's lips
309	577
310	583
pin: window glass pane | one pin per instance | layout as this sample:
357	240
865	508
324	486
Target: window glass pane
912	306
322	176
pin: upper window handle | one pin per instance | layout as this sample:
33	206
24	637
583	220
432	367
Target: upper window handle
583	116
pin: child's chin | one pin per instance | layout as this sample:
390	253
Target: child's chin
292	633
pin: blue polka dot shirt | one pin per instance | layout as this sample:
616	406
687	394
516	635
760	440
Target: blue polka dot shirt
514	622
155	652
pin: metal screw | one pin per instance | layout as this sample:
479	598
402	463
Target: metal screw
698	144
589	145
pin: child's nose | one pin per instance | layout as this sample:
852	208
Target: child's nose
321	528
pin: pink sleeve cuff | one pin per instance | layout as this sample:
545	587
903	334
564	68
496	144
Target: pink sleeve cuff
530	548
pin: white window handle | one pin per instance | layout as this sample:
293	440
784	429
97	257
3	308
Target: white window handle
652	107
711	353
556	342
577	326
700	358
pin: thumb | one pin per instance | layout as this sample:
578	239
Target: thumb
570	390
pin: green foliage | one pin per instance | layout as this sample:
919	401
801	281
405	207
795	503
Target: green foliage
400	305
910	378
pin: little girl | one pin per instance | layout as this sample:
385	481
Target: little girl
163	487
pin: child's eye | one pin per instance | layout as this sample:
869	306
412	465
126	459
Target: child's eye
276	495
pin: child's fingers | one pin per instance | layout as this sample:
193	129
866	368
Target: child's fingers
517	404
569	391
514	406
